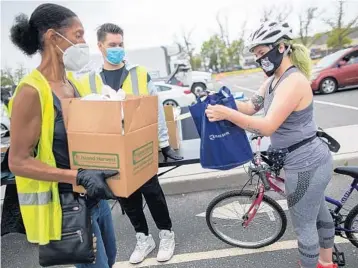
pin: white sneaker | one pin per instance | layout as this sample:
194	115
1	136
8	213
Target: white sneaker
145	245
167	245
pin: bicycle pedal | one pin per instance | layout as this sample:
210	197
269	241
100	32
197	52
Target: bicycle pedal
338	258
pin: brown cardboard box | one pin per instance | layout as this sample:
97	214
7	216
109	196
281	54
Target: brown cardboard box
97	139
173	133
173	129
169	113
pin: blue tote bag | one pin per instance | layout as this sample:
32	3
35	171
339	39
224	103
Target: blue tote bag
223	144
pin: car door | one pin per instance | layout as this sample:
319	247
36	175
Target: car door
350	69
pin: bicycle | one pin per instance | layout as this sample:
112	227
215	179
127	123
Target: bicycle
262	207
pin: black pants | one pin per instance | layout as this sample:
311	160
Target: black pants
154	196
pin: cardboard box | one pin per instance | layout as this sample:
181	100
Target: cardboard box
99	139
169	113
173	128
173	132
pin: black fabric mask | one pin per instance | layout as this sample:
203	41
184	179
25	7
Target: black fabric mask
271	61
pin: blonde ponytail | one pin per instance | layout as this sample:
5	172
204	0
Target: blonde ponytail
300	57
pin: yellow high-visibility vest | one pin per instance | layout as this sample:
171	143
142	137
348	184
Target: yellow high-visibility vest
134	84
39	200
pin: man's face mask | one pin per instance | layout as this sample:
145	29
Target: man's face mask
272	60
115	55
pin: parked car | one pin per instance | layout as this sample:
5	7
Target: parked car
336	71
5	122
174	95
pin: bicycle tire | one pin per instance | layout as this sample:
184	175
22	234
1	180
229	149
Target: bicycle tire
348	224
248	193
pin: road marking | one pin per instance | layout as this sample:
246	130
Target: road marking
217	254
246	89
315	101
235	210
337	105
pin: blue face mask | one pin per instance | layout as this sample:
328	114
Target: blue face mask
115	55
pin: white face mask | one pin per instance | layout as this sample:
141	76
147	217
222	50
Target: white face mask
75	57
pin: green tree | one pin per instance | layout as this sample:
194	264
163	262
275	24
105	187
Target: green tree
19	73
338	37
10	77
7	78
215	51
196	62
235	51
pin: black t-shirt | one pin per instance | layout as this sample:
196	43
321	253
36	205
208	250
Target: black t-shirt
113	77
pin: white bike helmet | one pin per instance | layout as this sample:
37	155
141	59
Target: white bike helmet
269	33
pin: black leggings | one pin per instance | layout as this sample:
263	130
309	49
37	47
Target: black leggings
154	196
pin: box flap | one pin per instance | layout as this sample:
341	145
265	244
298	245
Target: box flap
94	116
139	112
169	112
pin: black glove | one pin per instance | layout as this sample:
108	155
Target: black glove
94	181
168	152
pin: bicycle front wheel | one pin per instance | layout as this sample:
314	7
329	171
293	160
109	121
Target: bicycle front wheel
225	216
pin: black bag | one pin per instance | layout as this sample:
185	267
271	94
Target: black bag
333	145
76	244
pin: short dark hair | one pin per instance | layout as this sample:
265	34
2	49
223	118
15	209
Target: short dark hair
106	28
27	34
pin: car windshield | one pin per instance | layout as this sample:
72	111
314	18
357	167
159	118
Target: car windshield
330	59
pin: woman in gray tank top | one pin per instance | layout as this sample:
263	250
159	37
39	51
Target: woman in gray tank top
287	99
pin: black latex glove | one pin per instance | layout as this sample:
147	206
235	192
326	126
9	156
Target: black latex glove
168	152
94	181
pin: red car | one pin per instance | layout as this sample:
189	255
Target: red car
335	71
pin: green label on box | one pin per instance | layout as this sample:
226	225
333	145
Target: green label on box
96	160
142	157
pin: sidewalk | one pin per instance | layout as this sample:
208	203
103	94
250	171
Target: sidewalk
193	178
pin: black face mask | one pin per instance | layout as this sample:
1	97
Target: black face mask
271	61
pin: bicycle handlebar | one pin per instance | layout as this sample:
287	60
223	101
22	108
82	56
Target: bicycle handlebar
264	180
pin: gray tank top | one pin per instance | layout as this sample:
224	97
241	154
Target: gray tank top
298	126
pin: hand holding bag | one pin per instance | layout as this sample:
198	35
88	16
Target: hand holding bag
224	145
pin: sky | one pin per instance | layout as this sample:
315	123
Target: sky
149	23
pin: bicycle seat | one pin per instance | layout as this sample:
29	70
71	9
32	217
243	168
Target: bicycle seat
350	171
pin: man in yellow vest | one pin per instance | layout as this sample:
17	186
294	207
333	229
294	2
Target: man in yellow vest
136	81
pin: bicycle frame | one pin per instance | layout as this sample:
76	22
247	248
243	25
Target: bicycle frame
272	177
340	203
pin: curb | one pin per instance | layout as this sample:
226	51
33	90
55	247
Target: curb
228	179
240	72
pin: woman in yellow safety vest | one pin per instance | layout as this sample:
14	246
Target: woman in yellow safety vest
39	150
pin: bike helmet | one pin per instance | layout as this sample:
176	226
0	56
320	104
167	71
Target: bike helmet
269	33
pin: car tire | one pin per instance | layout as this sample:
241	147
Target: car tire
328	86
171	102
198	88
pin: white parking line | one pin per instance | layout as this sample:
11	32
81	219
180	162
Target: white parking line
337	105
246	89
217	254
316	101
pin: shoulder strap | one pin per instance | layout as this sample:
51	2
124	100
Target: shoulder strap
92	82
289	71
134	80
